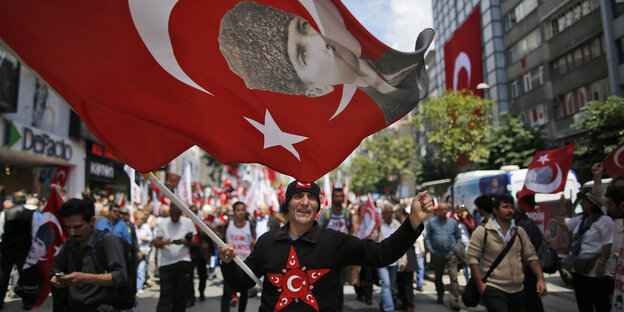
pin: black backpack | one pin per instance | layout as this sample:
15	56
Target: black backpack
125	295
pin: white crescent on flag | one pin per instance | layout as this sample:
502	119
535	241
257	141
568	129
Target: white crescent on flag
532	184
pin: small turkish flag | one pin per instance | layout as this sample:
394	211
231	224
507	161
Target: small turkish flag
614	162
548	171
262	81
369	219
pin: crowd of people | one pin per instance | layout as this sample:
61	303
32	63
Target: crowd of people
169	249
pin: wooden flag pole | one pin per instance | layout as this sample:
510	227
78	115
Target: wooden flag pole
149	176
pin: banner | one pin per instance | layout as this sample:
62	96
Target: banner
463	65
45	247
183	191
263	81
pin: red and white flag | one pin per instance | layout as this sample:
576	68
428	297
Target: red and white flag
369	219
614	162
183	191
47	242
262	81
548	171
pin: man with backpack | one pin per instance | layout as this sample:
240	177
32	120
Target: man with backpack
91	265
501	249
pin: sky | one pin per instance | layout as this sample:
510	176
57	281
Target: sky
396	23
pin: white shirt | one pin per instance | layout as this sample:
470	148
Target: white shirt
166	229
507	236
262	225
144	232
599	234
387	230
241	238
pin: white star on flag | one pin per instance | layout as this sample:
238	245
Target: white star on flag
273	136
543	159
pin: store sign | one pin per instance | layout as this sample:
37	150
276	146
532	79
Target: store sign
25	138
101	169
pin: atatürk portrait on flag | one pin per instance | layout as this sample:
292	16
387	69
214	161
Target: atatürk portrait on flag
278	51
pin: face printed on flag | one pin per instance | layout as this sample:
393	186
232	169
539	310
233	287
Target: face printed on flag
548	171
271	82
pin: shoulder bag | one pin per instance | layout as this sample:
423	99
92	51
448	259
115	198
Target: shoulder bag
471	295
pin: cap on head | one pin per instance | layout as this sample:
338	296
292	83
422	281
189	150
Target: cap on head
124	210
296	187
253	38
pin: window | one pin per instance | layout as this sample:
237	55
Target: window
514	89
521	11
527	82
525	45
580	55
568	16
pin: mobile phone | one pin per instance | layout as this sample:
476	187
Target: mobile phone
177	241
59	274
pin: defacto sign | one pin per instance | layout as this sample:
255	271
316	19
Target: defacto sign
25	138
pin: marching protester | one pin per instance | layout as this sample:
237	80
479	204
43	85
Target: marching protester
387	274
591	246
241	234
500	237
145	237
114	224
16	240
262	220
337	218
173	236
405	273
442	235
305	252
76	268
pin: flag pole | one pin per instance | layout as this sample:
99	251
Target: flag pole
152	178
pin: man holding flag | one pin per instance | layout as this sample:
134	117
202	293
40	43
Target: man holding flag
302	261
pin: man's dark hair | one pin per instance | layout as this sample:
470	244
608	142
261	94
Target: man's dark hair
238	203
616	194
505	198
337	189
484	202
75	206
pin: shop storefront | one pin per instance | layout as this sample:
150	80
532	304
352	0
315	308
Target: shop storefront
104	173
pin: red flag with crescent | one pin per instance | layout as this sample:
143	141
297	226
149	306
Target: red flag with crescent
548	171
369	219
614	162
463	65
47	242
262	81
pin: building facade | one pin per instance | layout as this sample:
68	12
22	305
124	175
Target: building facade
543	60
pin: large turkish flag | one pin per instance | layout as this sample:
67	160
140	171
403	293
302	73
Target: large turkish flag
463	65
247	82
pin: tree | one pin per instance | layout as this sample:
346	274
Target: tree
388	161
456	124
512	144
603	122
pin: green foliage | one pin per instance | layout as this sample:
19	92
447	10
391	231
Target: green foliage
604	123
456	124
512	144
388	160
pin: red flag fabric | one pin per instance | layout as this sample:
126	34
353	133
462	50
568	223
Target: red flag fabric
614	162
261	81
47	242
548	171
462	55
369	219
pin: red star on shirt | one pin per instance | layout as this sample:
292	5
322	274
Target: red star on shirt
295	284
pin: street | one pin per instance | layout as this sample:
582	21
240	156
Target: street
560	297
